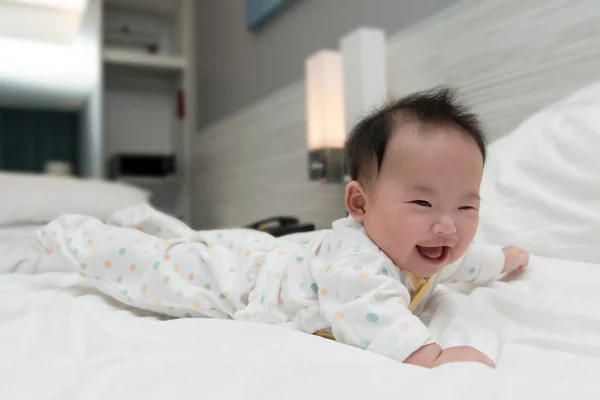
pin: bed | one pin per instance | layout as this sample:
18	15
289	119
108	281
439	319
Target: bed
30	200
61	339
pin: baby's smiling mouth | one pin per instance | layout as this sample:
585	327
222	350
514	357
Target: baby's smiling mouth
434	254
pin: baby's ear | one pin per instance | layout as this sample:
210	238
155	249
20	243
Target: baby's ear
356	200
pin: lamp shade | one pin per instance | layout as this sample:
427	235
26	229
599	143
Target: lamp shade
324	101
364	59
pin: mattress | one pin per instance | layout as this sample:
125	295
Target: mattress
59	338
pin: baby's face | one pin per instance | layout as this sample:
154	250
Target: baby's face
423	209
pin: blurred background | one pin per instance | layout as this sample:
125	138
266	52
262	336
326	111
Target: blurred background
213	105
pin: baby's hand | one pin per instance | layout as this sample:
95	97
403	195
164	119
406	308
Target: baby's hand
516	259
432	355
463	354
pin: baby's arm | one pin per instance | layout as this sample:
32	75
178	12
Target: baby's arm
362	299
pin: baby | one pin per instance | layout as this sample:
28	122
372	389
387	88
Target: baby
416	167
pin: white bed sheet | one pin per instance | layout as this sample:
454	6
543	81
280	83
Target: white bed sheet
15	248
60	339
17	254
17	232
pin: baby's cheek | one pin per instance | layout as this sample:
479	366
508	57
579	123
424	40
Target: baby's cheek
468	228
466	234
392	241
402	243
457	252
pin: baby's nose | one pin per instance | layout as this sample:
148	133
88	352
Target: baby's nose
445	226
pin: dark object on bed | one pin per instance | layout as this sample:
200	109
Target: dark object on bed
146	165
280	226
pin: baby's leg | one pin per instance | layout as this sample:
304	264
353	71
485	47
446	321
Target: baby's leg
175	277
149	220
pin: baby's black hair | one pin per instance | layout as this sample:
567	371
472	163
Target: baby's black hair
439	106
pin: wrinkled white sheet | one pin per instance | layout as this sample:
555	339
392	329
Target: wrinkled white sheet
61	339
17	254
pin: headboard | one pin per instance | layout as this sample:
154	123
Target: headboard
508	58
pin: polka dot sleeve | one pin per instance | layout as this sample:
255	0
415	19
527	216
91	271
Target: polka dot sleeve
149	220
481	264
369	309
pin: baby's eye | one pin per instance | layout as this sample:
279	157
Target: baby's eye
422	203
466	208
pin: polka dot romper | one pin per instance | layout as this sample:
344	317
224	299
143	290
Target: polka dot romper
337	281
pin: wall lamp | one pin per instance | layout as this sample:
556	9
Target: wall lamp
342	87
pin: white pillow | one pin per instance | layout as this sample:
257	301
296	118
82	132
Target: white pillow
541	186
32	198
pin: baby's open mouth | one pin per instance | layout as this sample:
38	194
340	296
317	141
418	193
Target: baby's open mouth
436	254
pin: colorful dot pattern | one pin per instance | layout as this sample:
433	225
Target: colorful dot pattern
143	258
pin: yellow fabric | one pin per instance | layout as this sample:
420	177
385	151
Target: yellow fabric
324	334
422	286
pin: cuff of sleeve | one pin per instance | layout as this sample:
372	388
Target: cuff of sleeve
492	264
401	339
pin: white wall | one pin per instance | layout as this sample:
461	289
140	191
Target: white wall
509	59
254	164
513	58
91	123
40	22
50	73
237	68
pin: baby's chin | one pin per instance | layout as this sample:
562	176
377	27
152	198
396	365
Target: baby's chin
424	271
419	269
